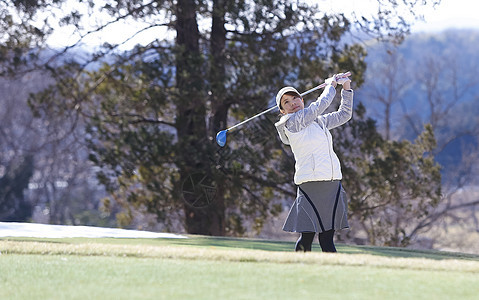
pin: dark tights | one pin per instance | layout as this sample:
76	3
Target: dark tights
305	241
325	241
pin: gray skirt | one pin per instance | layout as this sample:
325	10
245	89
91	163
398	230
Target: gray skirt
319	206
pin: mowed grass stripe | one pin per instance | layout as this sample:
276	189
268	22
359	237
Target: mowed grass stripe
112	277
234	255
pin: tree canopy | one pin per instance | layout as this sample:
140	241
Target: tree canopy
152	112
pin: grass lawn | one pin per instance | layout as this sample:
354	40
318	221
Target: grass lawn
224	268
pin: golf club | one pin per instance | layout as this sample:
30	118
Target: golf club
221	135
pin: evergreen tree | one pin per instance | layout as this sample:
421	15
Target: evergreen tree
154	111
13	205
391	185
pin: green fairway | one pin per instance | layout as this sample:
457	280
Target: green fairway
223	268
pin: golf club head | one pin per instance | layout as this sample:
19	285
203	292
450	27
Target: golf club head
221	137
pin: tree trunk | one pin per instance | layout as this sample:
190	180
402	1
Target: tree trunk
217	78
204	205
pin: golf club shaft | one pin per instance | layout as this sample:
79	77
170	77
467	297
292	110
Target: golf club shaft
249	119
273	107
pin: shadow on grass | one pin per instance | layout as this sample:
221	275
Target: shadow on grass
405	252
269	245
257	244
236	243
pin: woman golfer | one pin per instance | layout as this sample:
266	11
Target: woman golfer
320	205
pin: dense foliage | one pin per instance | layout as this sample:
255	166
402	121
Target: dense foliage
152	112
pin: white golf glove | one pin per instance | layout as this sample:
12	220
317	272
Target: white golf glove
330	80
341	80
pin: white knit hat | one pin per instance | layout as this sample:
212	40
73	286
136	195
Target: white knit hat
283	91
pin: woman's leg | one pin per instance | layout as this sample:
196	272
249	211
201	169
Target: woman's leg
326	241
305	241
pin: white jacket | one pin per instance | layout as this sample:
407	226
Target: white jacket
307	132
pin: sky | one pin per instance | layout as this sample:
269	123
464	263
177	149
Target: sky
448	14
